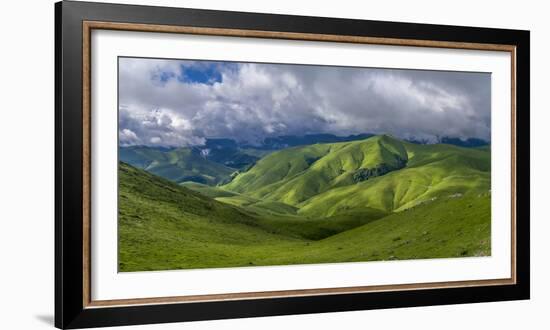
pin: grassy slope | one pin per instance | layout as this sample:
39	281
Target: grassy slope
165	226
228	197
283	219
447	227
314	228
178	165
208	191
296	174
324	186
432	172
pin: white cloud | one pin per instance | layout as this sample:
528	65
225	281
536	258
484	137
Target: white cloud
254	101
127	136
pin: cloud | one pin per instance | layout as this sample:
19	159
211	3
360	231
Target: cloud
127	137
175	103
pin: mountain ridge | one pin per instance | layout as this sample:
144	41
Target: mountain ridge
380	172
237	157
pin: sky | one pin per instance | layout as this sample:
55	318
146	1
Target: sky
175	103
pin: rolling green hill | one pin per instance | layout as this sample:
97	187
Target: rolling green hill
296	174
443	228
163	225
433	171
379	173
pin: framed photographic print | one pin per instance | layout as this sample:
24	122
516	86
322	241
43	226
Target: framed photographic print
218	164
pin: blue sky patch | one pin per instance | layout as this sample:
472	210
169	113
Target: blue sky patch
204	74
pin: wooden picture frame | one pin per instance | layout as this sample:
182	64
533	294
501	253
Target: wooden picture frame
75	308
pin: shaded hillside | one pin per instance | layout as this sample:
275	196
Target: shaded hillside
178	165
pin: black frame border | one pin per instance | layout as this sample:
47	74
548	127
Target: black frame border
69	307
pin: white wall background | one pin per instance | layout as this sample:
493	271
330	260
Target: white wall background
27	169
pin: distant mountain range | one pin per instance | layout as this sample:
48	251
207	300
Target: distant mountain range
282	142
178	165
467	143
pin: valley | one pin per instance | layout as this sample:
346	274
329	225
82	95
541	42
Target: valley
367	198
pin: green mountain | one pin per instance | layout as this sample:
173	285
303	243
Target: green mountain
163	225
178	165
380	173
294	175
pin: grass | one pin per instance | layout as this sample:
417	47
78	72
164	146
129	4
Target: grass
163	225
315	228
443	228
208	191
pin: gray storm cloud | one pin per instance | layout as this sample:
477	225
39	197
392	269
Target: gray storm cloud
254	101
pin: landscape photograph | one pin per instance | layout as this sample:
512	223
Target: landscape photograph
238	164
